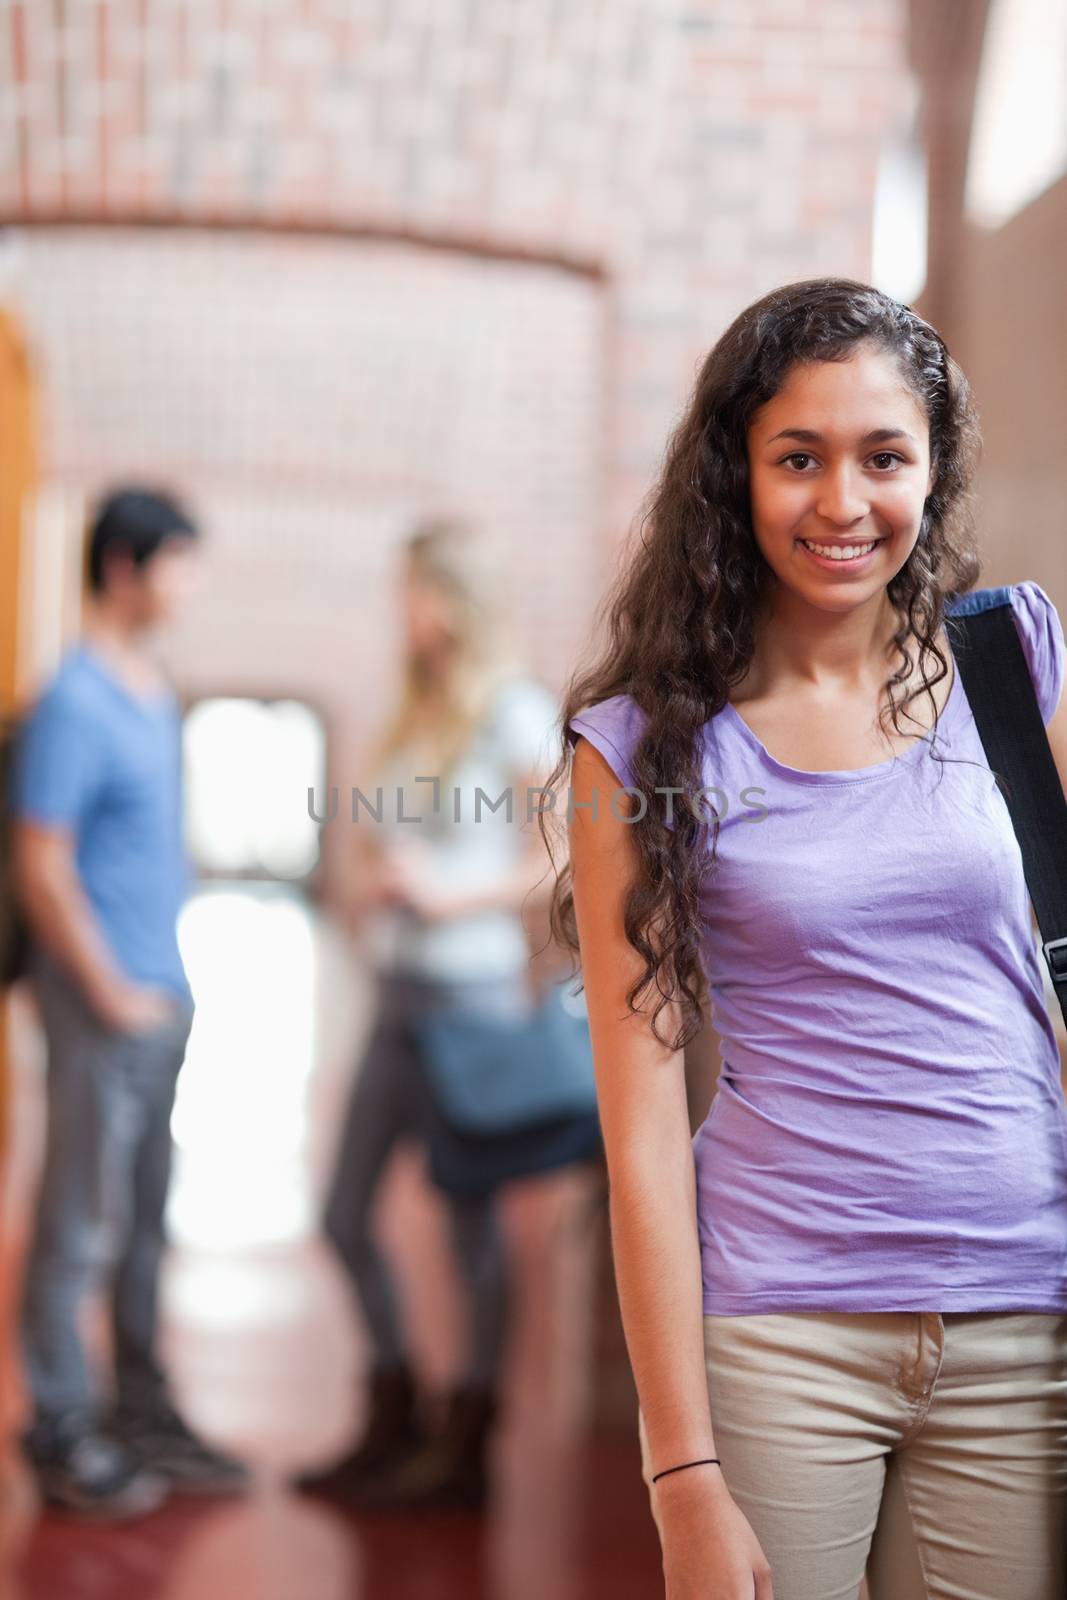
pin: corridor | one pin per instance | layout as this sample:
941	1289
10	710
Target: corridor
266	1347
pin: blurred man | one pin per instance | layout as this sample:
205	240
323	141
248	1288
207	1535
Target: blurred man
101	872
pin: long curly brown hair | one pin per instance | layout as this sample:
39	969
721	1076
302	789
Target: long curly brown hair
680	618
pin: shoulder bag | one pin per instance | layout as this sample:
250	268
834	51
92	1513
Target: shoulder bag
508	1098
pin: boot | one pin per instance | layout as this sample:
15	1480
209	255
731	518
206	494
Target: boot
392	1431
451	1469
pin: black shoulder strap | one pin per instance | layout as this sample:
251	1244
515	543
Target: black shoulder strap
995	675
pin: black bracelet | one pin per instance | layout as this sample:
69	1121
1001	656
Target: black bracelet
708	1461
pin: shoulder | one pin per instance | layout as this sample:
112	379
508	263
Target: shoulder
1040	633
615	727
1033	609
61	748
70	691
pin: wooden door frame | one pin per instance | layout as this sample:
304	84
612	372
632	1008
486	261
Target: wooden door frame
18	476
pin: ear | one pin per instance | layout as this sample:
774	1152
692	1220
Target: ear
117	563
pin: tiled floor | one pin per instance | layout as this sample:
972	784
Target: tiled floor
266	1347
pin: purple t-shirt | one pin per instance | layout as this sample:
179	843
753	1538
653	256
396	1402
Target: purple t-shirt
889	1130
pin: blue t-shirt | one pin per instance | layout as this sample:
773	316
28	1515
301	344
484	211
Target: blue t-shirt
96	758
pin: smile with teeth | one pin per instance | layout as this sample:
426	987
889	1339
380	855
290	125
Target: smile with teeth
840	552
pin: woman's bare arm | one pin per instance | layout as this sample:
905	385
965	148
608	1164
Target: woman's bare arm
641	1096
645	1122
709	1549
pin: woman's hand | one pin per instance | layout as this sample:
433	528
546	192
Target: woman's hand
709	1549
403	876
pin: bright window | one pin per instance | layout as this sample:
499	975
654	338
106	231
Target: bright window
1019	136
248	767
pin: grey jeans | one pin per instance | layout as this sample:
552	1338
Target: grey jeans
100	1208
388	1105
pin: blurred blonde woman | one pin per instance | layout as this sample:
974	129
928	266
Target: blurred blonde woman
439	916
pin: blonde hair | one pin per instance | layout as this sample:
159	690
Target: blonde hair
437	714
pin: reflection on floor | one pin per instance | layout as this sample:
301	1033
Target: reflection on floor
266	1346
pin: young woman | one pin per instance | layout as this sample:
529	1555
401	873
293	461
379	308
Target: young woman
844	1298
440	919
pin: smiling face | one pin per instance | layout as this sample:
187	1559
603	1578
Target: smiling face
839	459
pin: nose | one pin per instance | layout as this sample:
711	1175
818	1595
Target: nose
841	499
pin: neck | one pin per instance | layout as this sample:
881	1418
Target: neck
821	650
110	627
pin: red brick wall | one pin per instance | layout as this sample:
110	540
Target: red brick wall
605	183
610	183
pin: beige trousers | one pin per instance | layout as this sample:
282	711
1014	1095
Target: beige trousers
926	1450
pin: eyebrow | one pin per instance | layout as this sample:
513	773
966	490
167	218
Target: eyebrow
876	435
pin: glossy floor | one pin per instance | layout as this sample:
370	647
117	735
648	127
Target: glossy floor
266	1347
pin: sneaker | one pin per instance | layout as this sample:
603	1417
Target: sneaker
166	1446
94	1474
